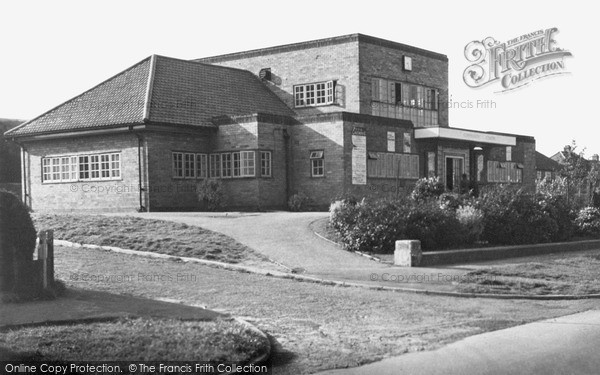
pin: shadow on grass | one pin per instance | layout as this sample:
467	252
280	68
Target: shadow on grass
279	355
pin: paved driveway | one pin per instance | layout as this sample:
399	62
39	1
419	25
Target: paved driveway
286	237
565	345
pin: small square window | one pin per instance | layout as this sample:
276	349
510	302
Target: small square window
316	154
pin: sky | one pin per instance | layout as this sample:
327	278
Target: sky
51	51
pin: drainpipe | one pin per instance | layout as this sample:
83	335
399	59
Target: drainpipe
286	139
140	185
24	171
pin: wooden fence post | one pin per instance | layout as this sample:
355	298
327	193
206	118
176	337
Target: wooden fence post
46	256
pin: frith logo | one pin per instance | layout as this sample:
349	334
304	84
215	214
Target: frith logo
516	62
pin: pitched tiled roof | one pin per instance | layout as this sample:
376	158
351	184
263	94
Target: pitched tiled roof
116	101
160	90
544	163
186	92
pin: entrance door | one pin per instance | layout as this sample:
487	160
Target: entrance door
454	172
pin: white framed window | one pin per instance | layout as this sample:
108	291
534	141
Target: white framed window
247	164
189	165
94	167
178	165
215	165
226	165
265	164
236	164
201	165
69	168
84	167
115	165
314	94
317	163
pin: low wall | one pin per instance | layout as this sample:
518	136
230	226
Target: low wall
432	258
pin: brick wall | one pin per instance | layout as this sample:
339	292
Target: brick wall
272	190
115	195
164	191
377	129
333	135
529	172
326	135
333	61
386	62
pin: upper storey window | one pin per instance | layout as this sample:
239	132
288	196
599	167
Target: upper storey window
314	94
405	101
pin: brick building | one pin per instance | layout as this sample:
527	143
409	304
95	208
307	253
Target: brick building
353	114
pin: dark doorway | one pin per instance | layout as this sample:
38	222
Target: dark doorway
454	172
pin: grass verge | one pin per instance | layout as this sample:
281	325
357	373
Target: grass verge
543	275
314	327
147	235
136	339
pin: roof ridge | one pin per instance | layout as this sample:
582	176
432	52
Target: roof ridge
8	133
205	64
149	86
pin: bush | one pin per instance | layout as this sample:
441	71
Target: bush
342	216
376	226
210	192
427	188
471	220
435	227
557	208
515	217
588	221
298	202
17	244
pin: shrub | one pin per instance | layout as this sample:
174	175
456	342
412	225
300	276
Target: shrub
376	226
435	227
515	217
588	221
210	192
342	216
298	202
449	201
471	220
346	198
557	209
17	244
426	188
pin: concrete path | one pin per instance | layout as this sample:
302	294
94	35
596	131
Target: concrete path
287	238
565	345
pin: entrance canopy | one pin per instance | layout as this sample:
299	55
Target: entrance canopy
465	135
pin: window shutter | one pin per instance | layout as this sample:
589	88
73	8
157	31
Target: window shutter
330	97
375	89
389	165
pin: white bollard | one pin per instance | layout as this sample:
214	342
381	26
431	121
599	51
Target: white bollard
408	253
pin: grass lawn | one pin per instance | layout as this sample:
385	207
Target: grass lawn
568	273
147	235
313	327
136	339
